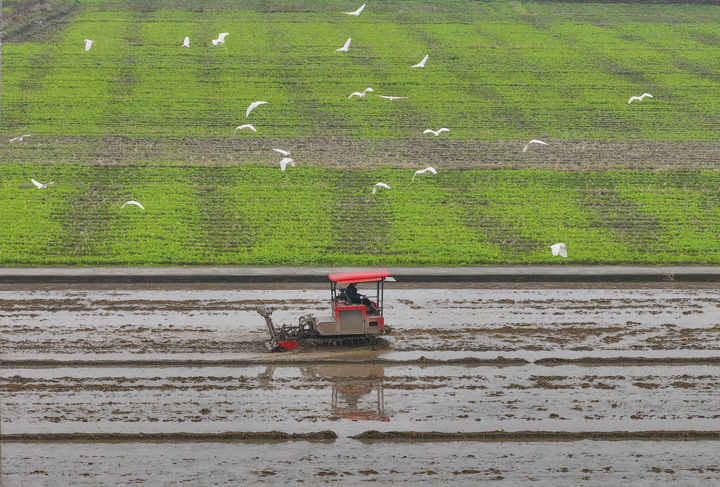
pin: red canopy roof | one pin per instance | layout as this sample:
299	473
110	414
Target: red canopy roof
363	276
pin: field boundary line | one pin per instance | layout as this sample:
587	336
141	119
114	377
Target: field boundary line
246	274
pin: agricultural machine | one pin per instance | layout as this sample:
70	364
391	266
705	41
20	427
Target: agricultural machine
353	320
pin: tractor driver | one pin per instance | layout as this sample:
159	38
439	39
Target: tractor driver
352	293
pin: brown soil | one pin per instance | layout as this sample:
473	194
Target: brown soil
347	152
325	435
35	20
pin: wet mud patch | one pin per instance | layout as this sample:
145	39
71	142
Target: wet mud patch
264	436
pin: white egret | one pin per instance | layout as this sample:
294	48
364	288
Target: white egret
252	107
393	97
19	139
88	44
40	185
361	95
186	42
639	98
379	185
132	202
559	249
345	47
533	141
436	133
246	126
421	64
221	38
285	161
358	11
423	171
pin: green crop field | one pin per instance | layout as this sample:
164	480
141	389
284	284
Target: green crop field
137	117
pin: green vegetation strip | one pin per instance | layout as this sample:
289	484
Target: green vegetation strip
255	215
496	70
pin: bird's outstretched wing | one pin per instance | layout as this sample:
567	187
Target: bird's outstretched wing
379	185
356	93
345	47
423	171
356	12
285	161
245	126
132	202
283	152
186	42
393	97
436	132
88	44
421	64
533	141
559	249
252	107
37	184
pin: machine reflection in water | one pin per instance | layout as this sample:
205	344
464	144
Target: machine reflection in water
357	389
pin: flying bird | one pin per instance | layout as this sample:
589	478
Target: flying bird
246	126
88	44
421	64
345	47
285	161
393	97
533	141
132	202
423	171
252	107
436	133
19	139
186	42
283	152
379	185
358	11
40	185
559	249
361	95
639	98
221	38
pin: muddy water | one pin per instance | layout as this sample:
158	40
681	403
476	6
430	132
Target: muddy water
211	375
512	322
352	398
349	462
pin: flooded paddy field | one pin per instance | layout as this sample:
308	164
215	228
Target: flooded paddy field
137	385
510	322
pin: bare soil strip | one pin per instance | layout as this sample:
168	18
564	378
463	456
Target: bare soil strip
354	153
325	435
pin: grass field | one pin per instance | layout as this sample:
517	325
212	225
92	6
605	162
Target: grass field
138	117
